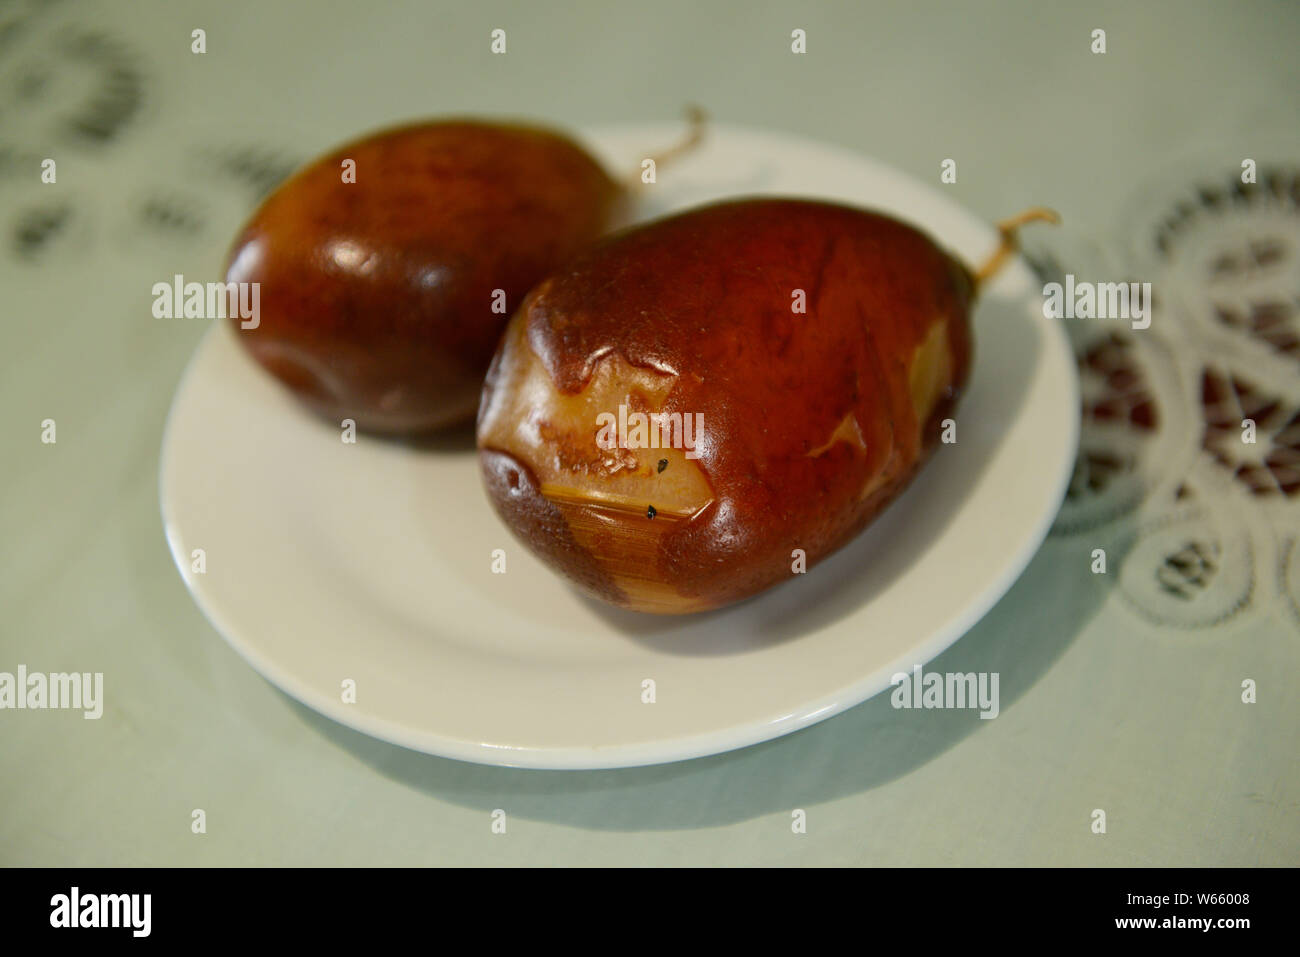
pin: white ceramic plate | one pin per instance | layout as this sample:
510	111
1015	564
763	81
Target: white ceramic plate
372	562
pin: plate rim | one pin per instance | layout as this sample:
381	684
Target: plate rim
673	748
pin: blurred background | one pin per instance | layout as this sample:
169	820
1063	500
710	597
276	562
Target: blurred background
1119	694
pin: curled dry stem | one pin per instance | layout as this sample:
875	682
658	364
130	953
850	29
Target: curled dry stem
1008	231
697	123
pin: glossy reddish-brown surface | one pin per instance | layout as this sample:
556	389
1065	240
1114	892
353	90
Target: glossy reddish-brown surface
813	422
376	296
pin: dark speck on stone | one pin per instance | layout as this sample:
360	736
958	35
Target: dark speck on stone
650	512
663	464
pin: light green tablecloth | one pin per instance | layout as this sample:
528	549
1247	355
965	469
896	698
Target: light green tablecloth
1120	692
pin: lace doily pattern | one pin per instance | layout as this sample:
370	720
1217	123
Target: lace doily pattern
82	93
1189	462
1289	576
1120	429
1194	561
1270	465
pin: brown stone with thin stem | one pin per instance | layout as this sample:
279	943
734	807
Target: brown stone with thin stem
812	422
382	300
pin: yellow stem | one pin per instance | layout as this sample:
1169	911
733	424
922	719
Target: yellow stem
697	121
1008	231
